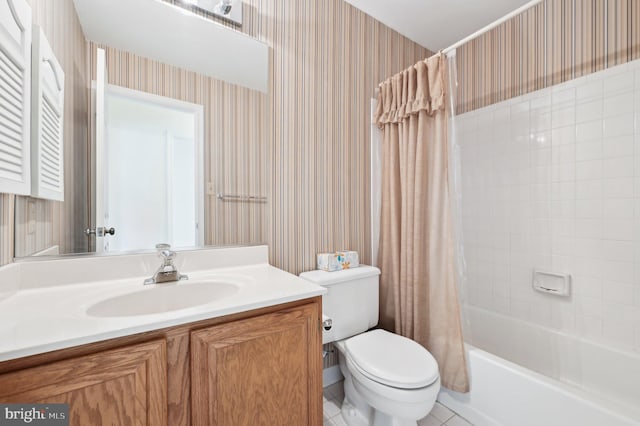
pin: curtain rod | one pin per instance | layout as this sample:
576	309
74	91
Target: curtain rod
491	26
484	30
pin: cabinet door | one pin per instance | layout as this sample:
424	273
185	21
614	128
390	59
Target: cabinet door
47	120
265	370
125	386
15	96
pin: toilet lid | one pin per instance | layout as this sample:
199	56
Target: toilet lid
392	360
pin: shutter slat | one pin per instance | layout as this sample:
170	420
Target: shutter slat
53	176
9	93
14	104
52	170
10	136
50	139
49	135
11	158
11	130
11	112
8	167
11	67
12	87
52	121
8	120
49	153
10	145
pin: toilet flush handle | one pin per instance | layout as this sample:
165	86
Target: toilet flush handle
327	323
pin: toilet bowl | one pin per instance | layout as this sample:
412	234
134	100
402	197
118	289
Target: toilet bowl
390	380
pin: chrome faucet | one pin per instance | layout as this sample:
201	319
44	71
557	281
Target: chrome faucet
167	271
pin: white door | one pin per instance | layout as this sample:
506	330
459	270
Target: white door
101	231
149	155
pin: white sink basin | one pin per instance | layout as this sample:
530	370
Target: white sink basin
163	298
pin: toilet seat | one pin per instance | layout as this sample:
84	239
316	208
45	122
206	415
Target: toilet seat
391	360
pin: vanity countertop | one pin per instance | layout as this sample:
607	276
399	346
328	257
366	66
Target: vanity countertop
40	318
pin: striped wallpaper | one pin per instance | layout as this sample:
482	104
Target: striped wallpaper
7	209
554	41
327	58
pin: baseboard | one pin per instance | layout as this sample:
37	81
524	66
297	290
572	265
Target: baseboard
331	375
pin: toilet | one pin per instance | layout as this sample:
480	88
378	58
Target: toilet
390	380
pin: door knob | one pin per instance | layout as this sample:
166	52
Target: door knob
100	231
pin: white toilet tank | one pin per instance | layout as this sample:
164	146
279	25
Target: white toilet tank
351	301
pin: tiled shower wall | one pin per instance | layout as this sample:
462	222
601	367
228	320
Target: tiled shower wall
551	180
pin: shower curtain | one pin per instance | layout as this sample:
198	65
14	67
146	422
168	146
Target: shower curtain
418	294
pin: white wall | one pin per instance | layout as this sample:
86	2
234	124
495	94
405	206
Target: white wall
551	180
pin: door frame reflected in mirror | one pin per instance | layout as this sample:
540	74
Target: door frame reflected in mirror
171	202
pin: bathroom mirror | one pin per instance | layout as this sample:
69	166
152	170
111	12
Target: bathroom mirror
183	155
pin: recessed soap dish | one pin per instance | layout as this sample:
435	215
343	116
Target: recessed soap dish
552	282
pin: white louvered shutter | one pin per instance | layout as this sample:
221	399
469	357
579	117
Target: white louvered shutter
15	96
47	102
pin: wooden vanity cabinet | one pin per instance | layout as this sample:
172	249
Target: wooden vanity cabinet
261	367
125	386
257	371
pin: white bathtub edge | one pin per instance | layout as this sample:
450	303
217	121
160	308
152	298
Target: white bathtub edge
499	386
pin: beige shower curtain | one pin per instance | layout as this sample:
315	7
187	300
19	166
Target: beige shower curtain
418	294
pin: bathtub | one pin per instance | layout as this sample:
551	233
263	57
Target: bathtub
592	384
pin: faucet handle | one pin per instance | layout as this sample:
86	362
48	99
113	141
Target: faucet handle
167	271
165	252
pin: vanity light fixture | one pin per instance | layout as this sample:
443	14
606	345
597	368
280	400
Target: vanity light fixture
229	10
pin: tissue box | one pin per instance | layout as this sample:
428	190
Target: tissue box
337	261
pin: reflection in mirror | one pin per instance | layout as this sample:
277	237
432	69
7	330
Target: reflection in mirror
49	227
169	34
233	156
151	160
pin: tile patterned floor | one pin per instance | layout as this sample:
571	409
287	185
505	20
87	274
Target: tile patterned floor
334	394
